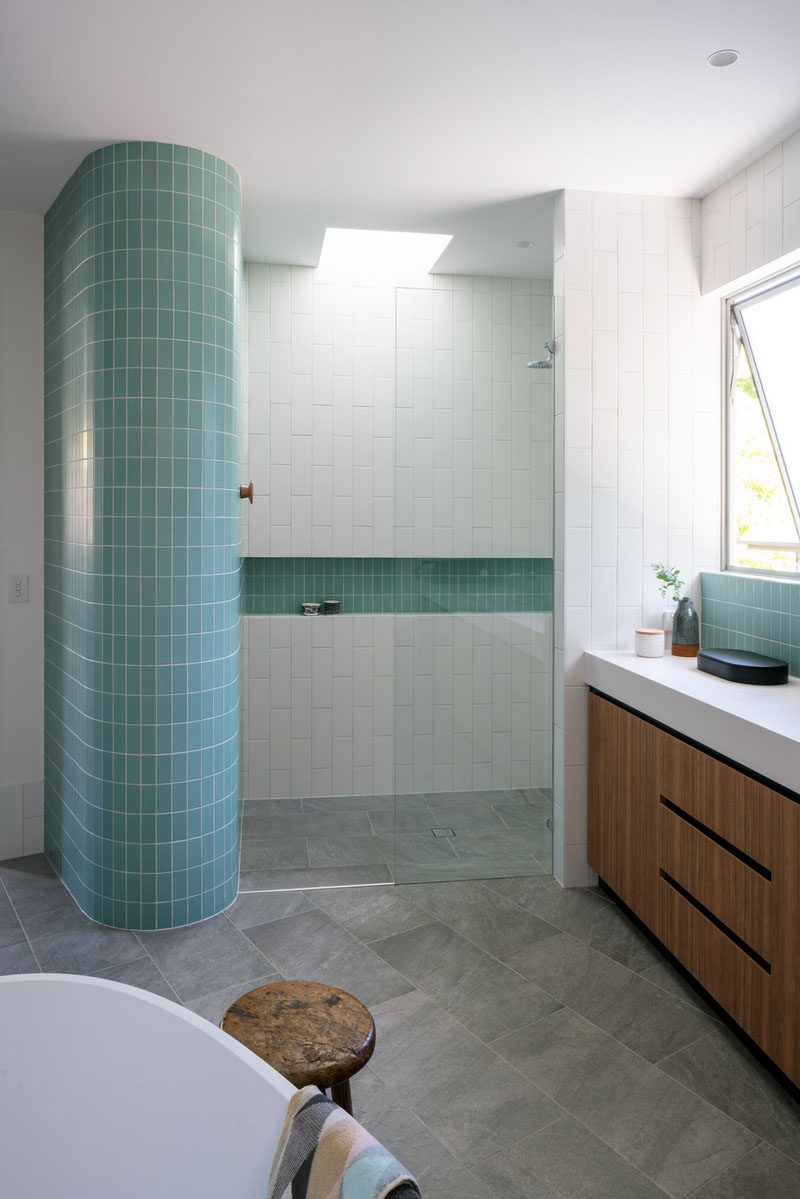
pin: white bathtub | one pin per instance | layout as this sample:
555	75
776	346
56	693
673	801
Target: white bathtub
109	1092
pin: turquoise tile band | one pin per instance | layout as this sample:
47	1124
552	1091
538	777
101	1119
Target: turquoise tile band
279	586
760	615
142	283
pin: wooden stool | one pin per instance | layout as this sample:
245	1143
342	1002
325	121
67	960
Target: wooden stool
309	1032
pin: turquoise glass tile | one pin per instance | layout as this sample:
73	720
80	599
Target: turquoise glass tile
142	574
280	586
759	615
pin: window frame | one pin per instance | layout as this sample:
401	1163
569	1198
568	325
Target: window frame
736	336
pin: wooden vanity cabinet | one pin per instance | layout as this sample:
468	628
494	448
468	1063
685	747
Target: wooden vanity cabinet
785	1025
709	859
623	804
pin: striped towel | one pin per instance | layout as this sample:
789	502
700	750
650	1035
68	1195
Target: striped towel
325	1154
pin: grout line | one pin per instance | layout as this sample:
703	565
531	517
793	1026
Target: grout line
159	971
22	925
699	1190
564	1007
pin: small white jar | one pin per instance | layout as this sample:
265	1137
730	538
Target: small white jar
649	643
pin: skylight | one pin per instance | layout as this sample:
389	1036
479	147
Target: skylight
382	252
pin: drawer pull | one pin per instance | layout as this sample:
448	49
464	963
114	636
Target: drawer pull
717	839
715	920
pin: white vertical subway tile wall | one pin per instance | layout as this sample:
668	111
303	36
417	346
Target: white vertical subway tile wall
386	420
637	444
752	220
397	418
453	702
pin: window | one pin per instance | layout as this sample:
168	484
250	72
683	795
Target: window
764	428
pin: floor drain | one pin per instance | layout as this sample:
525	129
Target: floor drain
443	832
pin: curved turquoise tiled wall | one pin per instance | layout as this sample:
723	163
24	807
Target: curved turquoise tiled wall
142	278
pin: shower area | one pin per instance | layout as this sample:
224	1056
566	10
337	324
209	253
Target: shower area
401	447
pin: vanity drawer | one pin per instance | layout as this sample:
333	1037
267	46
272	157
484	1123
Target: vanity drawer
719	797
737	982
738	894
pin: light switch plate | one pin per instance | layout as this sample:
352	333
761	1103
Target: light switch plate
18	589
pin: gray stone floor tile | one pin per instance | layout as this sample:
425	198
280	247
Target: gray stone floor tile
481	915
205	957
259	908
417	819
455	1184
11	931
474	799
585	913
476	988
722	1071
470	1120
370	913
213	1007
563	1161
523	815
513	844
33	886
59	920
470	1100
392	1123
304	880
312	946
665	976
677	1139
482	1109
142	973
468	817
417	1041
382	823
349	803
86	951
620	1002
478	868
18	959
423	849
313	824
271	807
762	1171
258	853
350	851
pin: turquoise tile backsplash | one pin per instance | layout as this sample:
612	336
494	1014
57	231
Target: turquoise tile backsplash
761	615
279	586
142	284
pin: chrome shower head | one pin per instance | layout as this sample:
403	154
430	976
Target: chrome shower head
544	364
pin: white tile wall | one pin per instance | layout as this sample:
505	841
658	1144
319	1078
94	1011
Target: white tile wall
21	525
465	699
382	420
474	425
387	419
21	818
753	219
637	475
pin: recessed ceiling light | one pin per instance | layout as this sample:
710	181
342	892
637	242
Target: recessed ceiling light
525	245
723	58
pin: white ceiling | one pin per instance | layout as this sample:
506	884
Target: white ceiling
451	116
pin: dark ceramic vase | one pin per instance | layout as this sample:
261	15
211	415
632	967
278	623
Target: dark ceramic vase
685	629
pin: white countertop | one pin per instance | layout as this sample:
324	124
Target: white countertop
757	726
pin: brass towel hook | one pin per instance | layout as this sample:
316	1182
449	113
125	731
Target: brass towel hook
246	492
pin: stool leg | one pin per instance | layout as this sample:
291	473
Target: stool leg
340	1093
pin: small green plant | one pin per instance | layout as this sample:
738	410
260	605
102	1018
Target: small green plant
669	579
